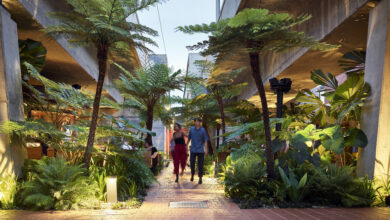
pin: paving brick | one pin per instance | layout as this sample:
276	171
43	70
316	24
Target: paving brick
166	190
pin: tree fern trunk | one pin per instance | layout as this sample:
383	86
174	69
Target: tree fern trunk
254	60
149	122
222	112
204	125
102	62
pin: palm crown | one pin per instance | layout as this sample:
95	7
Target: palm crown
103	22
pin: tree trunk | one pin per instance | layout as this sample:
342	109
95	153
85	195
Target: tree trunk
102	62
254	60
149	122
218	127
204	125
222	112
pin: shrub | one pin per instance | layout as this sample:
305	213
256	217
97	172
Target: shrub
8	189
133	175
55	184
295	190
335	185
245	179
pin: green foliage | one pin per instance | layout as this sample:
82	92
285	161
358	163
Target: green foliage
335	185
268	31
133	176
103	23
146	90
353	62
9	187
32	52
129	204
245	178
57	185
346	100
99	176
295	190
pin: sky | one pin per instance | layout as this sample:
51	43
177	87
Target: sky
175	13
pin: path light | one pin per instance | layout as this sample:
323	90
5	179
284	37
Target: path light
112	190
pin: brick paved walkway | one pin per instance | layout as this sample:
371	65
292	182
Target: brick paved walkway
156	206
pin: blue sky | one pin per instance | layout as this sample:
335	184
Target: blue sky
175	13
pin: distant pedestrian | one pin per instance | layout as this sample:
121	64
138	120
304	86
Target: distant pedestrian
180	154
153	155
198	138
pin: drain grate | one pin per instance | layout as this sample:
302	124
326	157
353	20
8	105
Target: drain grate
188	204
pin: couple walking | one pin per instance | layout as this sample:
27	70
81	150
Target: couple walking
198	139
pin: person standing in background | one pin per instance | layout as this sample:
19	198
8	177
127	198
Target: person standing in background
198	138
154	155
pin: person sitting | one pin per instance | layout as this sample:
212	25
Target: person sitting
154	155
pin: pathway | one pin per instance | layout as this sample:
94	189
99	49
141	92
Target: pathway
156	206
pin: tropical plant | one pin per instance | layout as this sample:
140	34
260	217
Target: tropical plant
9	187
104	25
256	31
244	178
222	87
295	190
335	185
133	175
32	52
147	88
199	105
55	184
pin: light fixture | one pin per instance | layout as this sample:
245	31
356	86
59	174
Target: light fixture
112	196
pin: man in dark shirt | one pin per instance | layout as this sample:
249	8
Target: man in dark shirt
198	138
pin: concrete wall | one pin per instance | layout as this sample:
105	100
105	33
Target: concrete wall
11	97
374	159
85	57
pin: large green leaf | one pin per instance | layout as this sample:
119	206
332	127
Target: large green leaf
332	139
328	80
356	138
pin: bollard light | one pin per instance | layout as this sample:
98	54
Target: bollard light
112	190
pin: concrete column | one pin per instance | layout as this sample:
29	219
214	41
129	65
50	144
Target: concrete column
374	160
11	96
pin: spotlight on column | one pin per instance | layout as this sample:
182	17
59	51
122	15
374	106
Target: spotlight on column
112	196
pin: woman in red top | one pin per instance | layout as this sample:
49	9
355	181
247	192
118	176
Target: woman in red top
180	155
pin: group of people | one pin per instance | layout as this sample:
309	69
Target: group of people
197	139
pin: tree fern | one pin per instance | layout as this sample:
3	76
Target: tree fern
252	32
103	24
145	90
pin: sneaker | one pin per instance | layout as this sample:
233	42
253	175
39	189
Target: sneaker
192	178
177	178
200	180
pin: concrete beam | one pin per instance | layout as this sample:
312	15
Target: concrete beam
374	159
11	95
85	57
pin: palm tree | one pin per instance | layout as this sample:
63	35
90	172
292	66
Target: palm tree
200	105
146	89
255	31
103	25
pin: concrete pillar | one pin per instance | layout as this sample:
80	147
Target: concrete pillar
374	160
11	96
